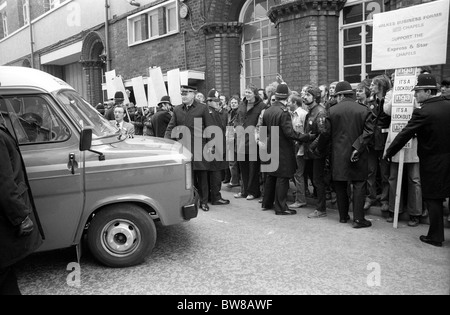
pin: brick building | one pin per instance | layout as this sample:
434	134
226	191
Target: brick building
223	44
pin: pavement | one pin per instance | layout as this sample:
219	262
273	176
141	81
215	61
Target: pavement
238	249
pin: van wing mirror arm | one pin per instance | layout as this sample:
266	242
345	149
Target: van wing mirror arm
101	156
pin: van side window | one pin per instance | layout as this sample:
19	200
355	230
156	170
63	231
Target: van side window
33	119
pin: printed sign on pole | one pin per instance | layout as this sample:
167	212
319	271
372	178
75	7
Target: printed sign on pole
174	80
110	87
403	100
139	92
411	37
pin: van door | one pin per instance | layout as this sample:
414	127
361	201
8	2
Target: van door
50	148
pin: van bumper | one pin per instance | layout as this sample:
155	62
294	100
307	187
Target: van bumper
191	211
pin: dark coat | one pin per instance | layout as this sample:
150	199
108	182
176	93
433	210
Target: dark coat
182	116
247	119
160	121
15	204
382	122
431	123
220	119
278	115
315	123
351	128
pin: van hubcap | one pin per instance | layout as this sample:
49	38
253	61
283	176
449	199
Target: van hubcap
120	238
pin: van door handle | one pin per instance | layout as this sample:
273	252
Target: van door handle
72	163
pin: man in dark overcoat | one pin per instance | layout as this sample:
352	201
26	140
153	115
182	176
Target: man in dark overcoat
351	128
193	117
431	125
276	185
20	231
218	148
160	120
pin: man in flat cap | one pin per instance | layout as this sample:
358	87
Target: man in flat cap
160	120
195	117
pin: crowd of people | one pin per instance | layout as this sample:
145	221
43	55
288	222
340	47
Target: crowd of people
328	152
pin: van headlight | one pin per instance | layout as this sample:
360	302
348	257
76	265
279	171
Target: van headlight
188	167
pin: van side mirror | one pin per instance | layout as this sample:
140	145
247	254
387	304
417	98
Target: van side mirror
85	139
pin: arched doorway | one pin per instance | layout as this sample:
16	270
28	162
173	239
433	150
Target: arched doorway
93	66
259	44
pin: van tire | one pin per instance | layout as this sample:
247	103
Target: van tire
121	235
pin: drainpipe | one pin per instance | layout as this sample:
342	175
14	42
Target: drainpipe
185	51
31	34
108	61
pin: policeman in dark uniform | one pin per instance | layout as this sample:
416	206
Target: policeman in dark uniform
160	120
193	118
276	185
431	125
218	149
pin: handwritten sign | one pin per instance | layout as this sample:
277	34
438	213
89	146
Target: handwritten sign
411	37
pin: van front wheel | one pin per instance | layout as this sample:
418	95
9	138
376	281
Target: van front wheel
121	235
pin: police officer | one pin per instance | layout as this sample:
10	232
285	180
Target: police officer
193	117
218	150
276	185
431	125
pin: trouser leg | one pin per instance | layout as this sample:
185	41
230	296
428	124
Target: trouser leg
341	189
215	181
436	210
281	190
319	183
201	180
8	282
359	189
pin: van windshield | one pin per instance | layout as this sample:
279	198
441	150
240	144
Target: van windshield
85	115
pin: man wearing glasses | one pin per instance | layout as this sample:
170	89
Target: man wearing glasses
192	118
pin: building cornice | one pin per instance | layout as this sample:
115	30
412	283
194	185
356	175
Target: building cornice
302	8
222	29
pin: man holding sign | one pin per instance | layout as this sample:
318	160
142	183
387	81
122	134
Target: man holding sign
431	125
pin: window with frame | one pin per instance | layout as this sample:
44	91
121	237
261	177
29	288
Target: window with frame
33	119
146	25
355	39
260	44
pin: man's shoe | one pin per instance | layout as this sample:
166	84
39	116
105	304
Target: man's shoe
297	205
239	195
204	207
414	221
286	212
425	239
221	202
360	224
384	207
345	220
230	185
317	214
251	197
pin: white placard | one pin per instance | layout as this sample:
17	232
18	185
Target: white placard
119	86
411	37
139	92
402	100
110	87
156	86
174	80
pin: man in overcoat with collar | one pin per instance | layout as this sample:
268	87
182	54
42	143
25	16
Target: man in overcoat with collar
351	128
195	118
276	185
431	125
20	230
